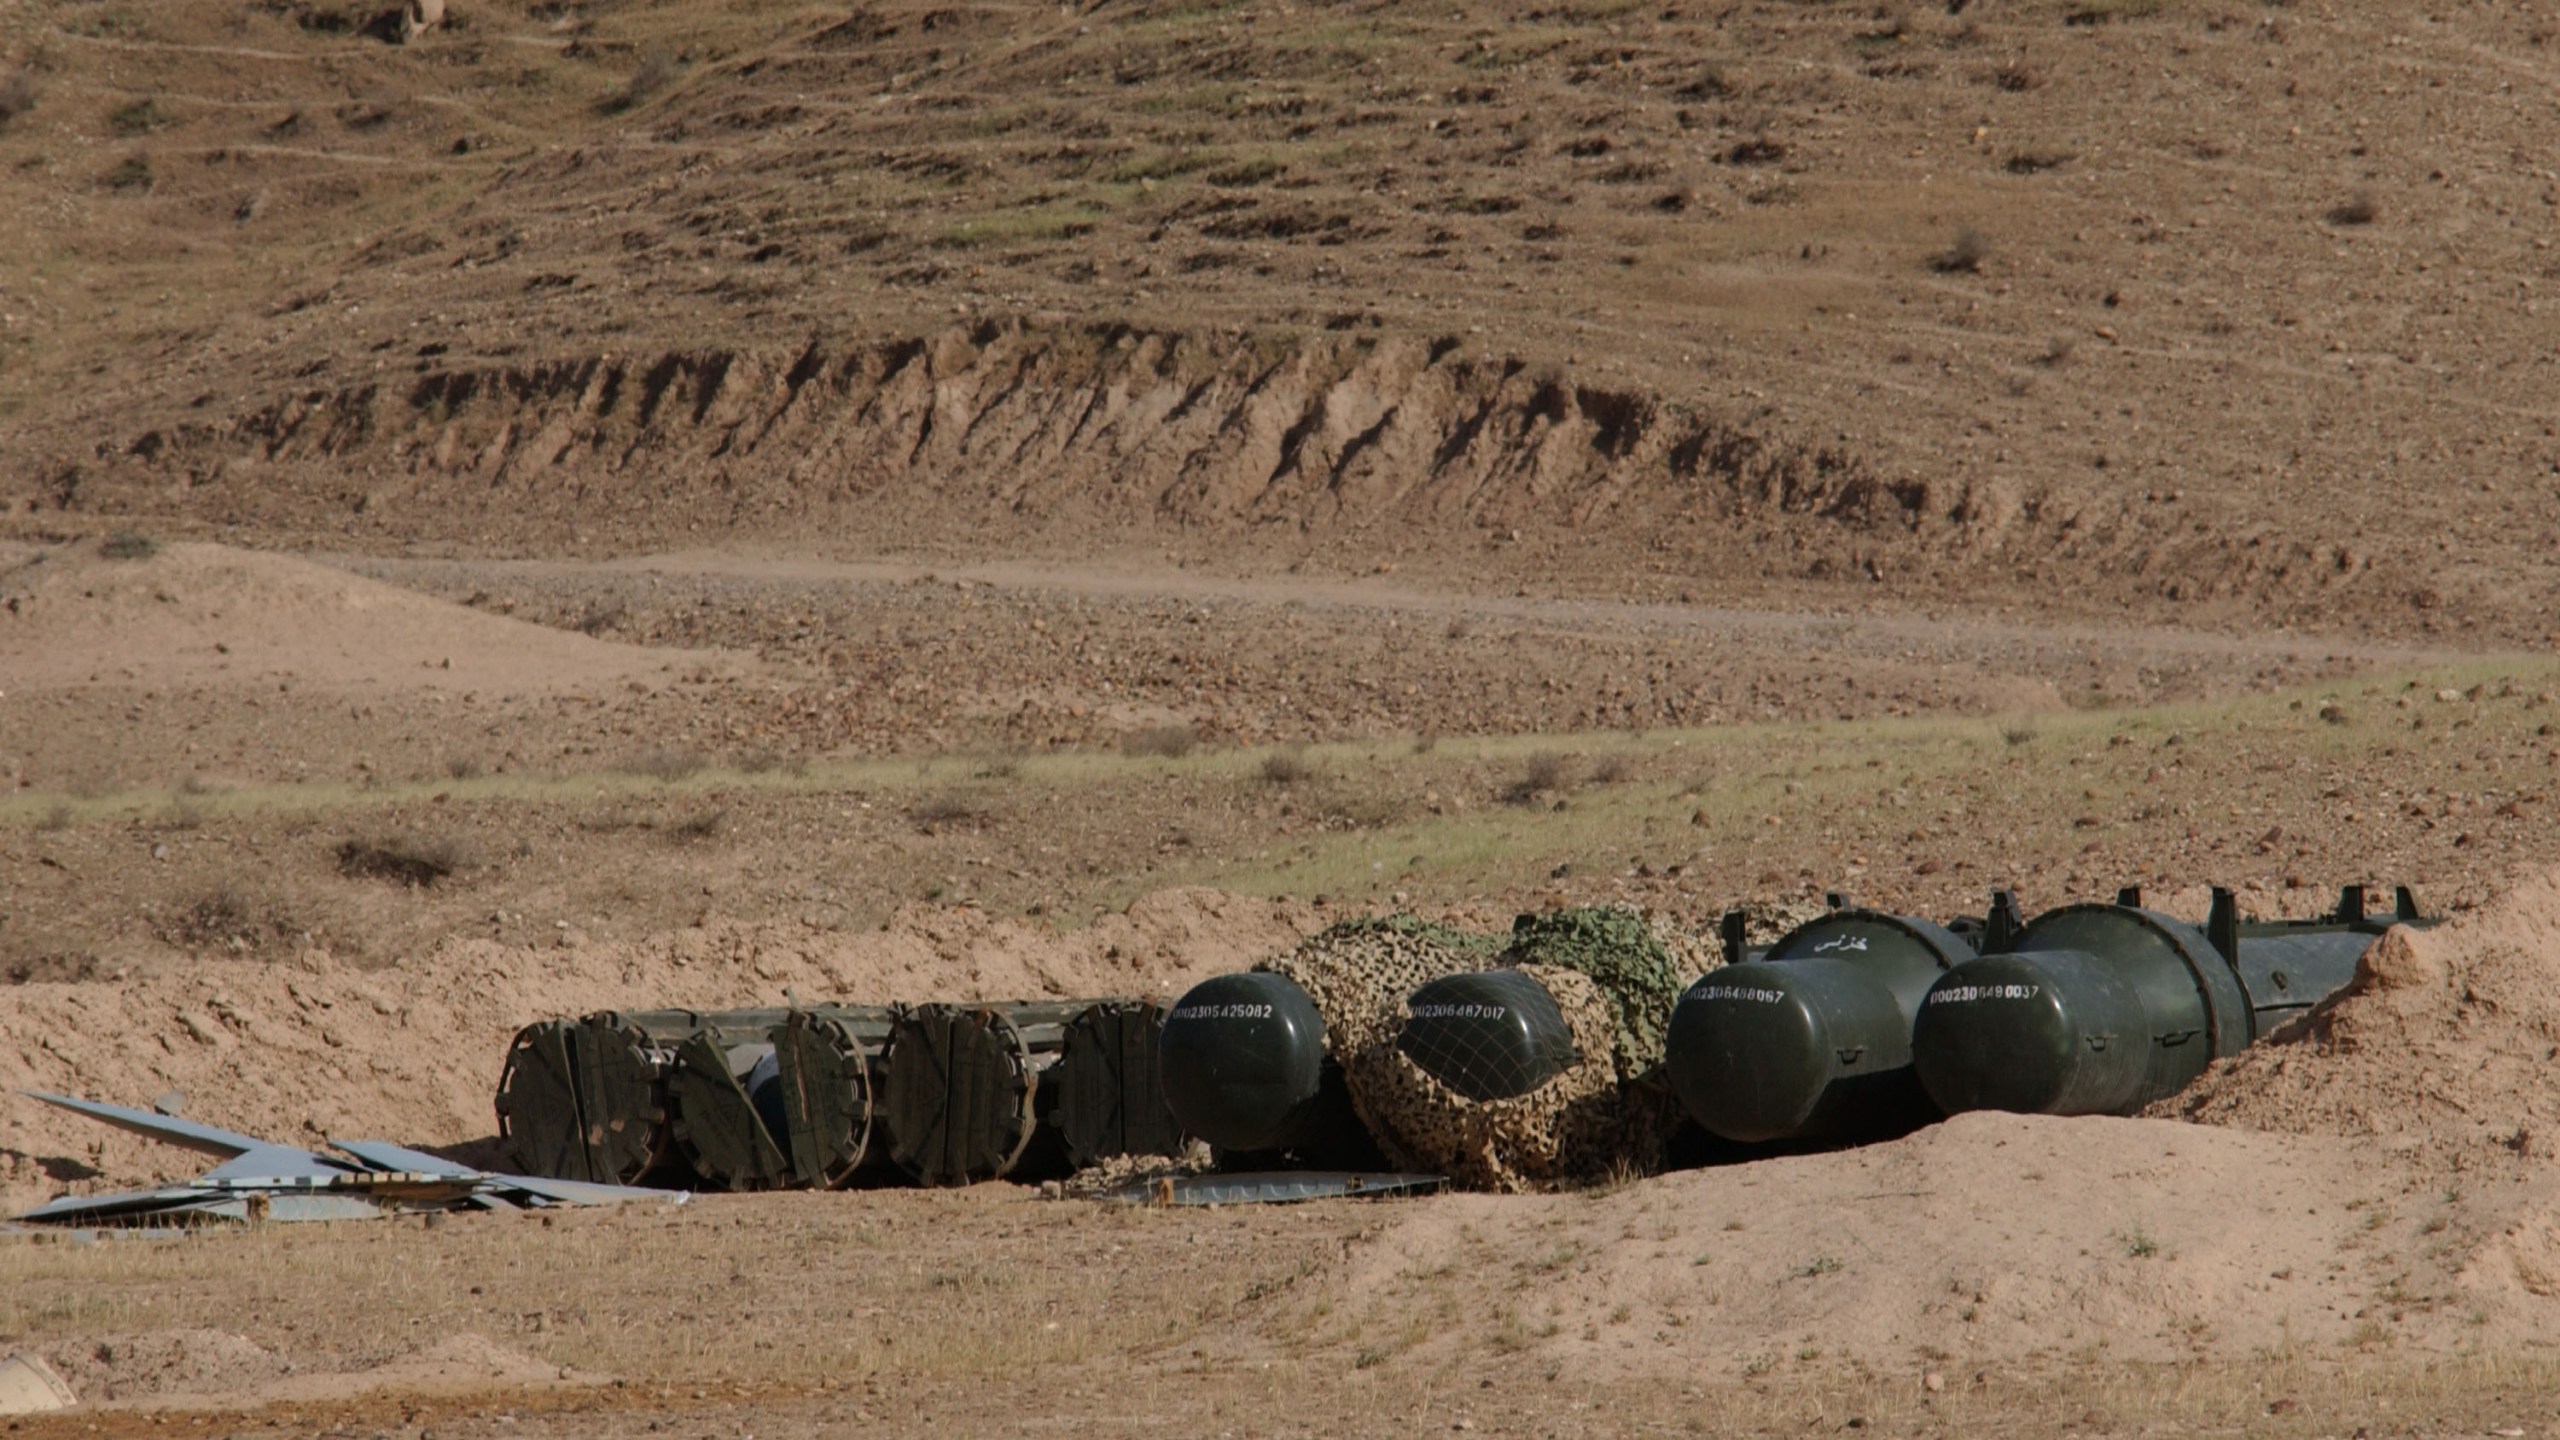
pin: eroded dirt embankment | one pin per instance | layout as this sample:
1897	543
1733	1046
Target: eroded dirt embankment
318	1047
1339	452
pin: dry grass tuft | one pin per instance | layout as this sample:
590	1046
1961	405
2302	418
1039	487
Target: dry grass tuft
1548	771
1964	255
1170	742
666	765
128	545
17	94
658	69
415	861
936	813
1288	767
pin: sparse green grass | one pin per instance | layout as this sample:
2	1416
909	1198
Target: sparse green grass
1367	825
138	117
1037	225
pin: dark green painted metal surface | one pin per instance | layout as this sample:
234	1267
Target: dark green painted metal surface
1109	1086
622	1098
1814	1039
958	1093
2096	1010
825	1061
587	1099
1245	1065
714	1116
539	1113
1487	1035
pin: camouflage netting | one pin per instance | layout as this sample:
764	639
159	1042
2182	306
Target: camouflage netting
1358	973
1693	951
1766	922
1623	956
1614	975
1582	1125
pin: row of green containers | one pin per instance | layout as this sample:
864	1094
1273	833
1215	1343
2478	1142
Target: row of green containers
1858	1024
817	1097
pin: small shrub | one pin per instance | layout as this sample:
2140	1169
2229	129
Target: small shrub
57	816
2036	162
1548	771
128	545
667	765
230	918
2017	77
139	117
1288	767
52	968
1170	742
1613	770
1964	256
602	616
2017	735
213	916
132	173
17	94
461	767
415	862
2357	209
701	825
2105	12
943	811
658	70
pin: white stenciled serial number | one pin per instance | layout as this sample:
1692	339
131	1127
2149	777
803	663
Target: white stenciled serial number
1959	994
1456	1012
1239	1011
1753	993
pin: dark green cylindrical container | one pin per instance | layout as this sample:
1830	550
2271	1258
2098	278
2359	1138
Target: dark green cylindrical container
1812	1041
2094	1010
1245	1066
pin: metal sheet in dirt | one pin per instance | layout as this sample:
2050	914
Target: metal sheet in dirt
1277	1187
383	1155
168	1129
259	1181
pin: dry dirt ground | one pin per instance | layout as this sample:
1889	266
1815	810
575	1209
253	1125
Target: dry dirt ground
656	502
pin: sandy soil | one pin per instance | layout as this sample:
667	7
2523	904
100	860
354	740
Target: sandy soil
689	503
313	1048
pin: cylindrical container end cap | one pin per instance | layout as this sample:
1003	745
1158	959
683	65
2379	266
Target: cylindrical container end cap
1242	1056
1997	1034
1748	1052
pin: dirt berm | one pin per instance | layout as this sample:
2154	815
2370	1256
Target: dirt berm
316	1047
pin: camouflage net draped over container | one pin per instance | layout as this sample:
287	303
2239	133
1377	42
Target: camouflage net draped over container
1582	1125
1623	956
1358	973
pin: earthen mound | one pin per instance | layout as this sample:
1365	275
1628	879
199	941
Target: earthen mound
2444	1044
317	1047
201	614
